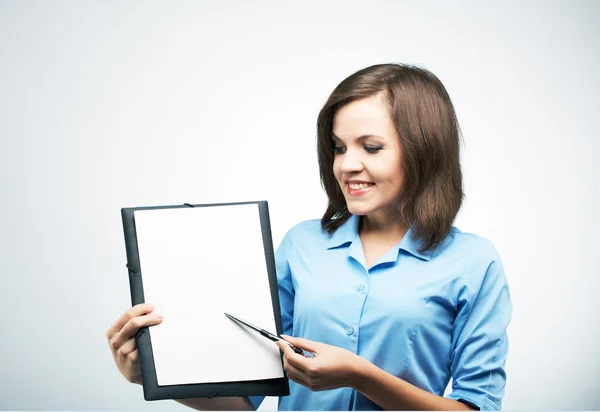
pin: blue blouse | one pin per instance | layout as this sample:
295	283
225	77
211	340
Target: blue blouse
423	317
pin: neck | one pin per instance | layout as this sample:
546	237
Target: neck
381	225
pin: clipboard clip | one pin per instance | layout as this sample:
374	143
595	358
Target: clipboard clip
131	269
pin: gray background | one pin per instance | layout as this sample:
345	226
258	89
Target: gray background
111	104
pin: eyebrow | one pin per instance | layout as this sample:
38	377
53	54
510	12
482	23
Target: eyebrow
362	137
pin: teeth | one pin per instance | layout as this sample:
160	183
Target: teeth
358	186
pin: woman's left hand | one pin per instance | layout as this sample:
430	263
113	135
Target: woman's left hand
330	368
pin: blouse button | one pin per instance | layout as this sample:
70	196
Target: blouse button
349	331
360	287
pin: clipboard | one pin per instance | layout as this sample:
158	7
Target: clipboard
168	371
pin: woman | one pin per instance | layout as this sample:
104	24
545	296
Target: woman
391	299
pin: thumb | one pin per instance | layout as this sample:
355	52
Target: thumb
303	344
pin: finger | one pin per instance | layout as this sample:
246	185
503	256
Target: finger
299	380
292	358
304	344
131	327
296	372
296	375
135	324
127	348
137	310
133	356
286	348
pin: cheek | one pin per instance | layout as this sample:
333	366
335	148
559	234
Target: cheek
399	175
392	175
395	171
336	169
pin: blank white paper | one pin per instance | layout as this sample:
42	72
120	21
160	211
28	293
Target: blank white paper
196	264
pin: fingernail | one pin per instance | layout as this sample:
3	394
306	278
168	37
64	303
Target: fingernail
150	306
159	317
285	336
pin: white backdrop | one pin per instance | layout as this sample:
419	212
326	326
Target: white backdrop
111	104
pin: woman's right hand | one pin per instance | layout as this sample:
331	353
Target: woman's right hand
121	338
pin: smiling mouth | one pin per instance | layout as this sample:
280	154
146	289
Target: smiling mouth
358	186
359	189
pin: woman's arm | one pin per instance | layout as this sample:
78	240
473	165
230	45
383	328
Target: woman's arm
390	392
333	367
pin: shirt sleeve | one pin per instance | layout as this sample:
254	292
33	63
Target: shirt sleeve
479	339
285	283
286	294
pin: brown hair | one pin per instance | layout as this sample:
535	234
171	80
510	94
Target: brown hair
424	117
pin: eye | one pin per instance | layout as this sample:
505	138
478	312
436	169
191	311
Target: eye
338	149
373	149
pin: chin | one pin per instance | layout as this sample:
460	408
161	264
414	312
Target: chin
365	209
359	211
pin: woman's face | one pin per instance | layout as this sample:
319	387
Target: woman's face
367	161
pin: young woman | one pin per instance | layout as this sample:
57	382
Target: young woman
392	300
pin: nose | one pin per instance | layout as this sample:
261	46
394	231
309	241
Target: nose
350	162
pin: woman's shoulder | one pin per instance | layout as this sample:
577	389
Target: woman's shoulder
306	236
477	261
311	229
307	233
469	245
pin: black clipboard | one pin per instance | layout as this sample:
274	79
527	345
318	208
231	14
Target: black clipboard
152	391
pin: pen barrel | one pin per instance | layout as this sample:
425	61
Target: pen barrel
265	334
